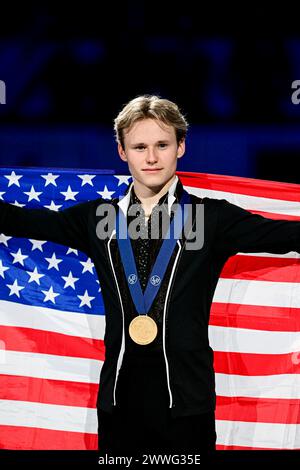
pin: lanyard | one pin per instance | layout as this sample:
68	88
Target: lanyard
144	301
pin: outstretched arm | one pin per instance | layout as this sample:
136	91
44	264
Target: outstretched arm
67	227
239	230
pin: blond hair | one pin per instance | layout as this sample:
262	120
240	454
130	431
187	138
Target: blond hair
150	107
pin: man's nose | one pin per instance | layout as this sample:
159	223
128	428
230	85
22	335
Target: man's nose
151	155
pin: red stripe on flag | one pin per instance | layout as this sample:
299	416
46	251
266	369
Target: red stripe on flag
256	364
241	185
27	438
258	317
276	216
259	268
55	392
262	410
48	342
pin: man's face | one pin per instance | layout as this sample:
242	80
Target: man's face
151	151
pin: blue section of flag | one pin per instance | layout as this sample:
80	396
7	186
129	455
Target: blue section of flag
51	275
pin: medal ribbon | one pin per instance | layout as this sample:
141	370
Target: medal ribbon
144	301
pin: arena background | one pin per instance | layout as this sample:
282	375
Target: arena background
68	69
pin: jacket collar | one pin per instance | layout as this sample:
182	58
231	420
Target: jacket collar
174	194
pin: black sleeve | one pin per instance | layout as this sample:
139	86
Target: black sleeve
239	230
67	227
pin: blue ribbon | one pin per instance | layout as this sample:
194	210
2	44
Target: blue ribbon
144	301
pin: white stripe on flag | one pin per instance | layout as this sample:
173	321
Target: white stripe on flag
46	319
46	366
264	204
290	254
272	294
260	435
244	340
266	386
45	416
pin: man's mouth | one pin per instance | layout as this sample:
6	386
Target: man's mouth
151	170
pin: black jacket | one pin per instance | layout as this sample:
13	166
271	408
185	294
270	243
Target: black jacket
185	295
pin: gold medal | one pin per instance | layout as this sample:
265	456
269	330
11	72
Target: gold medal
143	329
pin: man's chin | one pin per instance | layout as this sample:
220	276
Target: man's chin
154	181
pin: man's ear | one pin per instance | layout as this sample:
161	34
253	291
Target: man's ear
122	153
181	148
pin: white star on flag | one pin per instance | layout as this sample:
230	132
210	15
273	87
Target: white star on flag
50	179
87	266
33	194
50	295
106	194
1	194
18	257
13	179
86	179
37	245
2	269
15	288
123	179
72	250
53	262
70	280
4	239
53	206
69	194
18	204
85	299
35	276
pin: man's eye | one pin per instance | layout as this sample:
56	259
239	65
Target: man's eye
163	145
139	147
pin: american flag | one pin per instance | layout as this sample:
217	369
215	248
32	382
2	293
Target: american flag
52	321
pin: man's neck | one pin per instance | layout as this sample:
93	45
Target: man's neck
149	197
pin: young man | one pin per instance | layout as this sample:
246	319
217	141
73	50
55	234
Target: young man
157	389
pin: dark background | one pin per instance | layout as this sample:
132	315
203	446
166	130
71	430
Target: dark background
69	68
